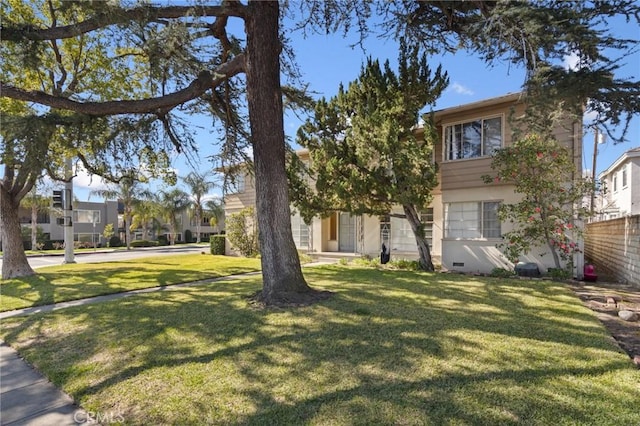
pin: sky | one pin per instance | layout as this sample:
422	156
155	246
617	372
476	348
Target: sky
328	60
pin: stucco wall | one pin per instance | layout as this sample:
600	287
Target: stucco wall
613	246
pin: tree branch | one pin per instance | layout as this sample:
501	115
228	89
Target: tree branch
118	16
205	81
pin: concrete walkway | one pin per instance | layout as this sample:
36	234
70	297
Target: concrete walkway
28	398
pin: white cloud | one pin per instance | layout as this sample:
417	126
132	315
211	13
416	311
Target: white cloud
460	89
571	61
84	180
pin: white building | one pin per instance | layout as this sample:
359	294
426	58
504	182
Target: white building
620	195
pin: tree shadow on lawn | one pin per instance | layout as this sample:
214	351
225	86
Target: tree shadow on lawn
49	288
417	344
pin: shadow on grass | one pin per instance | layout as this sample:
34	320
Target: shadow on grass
388	346
88	280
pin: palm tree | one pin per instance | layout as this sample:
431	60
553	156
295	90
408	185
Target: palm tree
129	192
199	187
215	209
37	203
171	204
145	214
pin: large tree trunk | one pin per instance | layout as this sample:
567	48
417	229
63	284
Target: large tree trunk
14	261
283	282
423	247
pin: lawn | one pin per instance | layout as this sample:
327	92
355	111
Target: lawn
61	283
390	347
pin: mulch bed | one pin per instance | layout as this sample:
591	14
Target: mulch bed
606	299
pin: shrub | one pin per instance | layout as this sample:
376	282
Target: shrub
404	264
143	243
242	231
49	244
304	257
115	241
367	261
502	273
558	274
163	240
217	244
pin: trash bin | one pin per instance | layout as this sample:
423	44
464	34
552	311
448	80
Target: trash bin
527	269
590	273
385	255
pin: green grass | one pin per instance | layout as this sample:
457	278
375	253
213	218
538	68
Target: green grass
56	284
390	347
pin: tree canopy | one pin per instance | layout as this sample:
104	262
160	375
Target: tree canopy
366	152
552	198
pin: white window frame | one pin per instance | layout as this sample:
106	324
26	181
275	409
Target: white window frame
300	231
446	142
624	179
95	214
397	235
470	220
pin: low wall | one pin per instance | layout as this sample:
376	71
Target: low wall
613	246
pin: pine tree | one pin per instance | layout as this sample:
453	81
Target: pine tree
366	154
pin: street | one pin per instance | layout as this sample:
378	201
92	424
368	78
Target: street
111	256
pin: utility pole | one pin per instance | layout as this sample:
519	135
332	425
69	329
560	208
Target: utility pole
68	212
597	139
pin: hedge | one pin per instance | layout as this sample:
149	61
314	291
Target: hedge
217	243
143	243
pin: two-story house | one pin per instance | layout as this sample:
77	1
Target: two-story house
620	195
462	223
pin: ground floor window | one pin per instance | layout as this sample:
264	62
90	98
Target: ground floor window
471	220
300	231
396	232
87	240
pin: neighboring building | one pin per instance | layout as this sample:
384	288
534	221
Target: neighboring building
187	222
620	194
90	218
462	222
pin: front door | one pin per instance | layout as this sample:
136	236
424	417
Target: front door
347	233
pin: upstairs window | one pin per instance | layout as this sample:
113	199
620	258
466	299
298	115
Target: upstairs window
473	139
86	216
624	177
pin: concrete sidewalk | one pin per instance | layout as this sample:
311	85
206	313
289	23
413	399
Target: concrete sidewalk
27	398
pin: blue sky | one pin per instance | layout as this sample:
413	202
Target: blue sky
326	61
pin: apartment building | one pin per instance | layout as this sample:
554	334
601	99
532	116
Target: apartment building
462	224
90	219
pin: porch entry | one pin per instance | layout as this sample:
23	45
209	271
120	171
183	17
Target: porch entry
347	233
